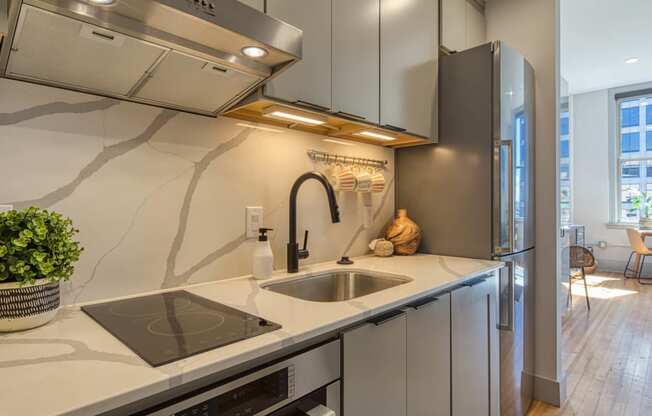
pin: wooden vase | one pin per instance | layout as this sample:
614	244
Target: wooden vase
404	233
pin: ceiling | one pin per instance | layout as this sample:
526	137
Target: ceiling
597	36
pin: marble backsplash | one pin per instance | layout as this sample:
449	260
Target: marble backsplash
160	196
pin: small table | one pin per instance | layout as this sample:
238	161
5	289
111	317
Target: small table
644	235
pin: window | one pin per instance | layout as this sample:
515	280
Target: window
565	197
631	170
630	142
629	114
634	153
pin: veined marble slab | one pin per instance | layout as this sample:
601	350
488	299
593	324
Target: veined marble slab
74	367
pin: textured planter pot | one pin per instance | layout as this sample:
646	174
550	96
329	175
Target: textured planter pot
28	306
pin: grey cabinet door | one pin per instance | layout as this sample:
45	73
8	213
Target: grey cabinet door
473	344
476	26
356	58
494	345
373	365
453	24
409	45
428	358
310	79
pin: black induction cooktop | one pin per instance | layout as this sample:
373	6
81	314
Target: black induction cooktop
170	326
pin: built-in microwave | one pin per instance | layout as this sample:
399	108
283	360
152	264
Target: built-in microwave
307	384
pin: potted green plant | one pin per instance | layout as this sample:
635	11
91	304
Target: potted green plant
37	252
642	202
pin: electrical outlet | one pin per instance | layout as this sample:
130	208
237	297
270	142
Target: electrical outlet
6	208
253	221
602	244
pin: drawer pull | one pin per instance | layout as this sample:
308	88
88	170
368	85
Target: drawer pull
393	128
103	35
423	302
474	282
386	317
345	114
309	104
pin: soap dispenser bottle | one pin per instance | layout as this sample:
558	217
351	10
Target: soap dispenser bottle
263	256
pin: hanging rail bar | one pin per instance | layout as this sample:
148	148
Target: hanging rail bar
335	158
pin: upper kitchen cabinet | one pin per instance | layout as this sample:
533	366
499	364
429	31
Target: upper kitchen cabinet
256	4
49	47
308	82
409	45
463	24
476	24
356	59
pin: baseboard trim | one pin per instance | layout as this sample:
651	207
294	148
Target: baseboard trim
550	391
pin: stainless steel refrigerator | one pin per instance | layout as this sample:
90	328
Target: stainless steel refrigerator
473	192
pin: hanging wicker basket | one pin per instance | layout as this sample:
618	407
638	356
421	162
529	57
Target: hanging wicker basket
28	306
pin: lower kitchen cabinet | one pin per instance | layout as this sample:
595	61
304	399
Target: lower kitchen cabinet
373	367
438	356
428	357
475	355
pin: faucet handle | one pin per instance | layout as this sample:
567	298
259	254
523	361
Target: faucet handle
304	253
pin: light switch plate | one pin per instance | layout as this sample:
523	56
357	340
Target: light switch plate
6	207
254	221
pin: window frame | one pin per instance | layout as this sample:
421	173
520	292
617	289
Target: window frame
566	106
644	160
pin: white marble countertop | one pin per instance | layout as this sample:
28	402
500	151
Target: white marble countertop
74	367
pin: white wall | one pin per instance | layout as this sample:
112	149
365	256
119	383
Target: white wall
159	196
531	26
594	129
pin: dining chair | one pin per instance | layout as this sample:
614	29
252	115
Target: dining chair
580	258
641	251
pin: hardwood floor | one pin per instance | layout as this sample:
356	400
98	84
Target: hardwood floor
607	353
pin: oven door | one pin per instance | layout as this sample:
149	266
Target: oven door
322	402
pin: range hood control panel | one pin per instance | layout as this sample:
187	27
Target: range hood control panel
204	5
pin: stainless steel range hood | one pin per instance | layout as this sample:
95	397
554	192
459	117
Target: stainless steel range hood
181	54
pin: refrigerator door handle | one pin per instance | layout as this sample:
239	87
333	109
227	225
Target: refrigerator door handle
509	325
499	145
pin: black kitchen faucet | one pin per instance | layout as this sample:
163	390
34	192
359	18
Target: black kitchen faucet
293	251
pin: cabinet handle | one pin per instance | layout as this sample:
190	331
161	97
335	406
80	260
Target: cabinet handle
345	114
423	302
394	128
509	326
309	104
384	318
474	282
103	35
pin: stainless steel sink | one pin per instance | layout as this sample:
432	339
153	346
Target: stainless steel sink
336	286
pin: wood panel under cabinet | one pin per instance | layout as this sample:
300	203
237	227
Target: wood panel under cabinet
356	58
307	81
